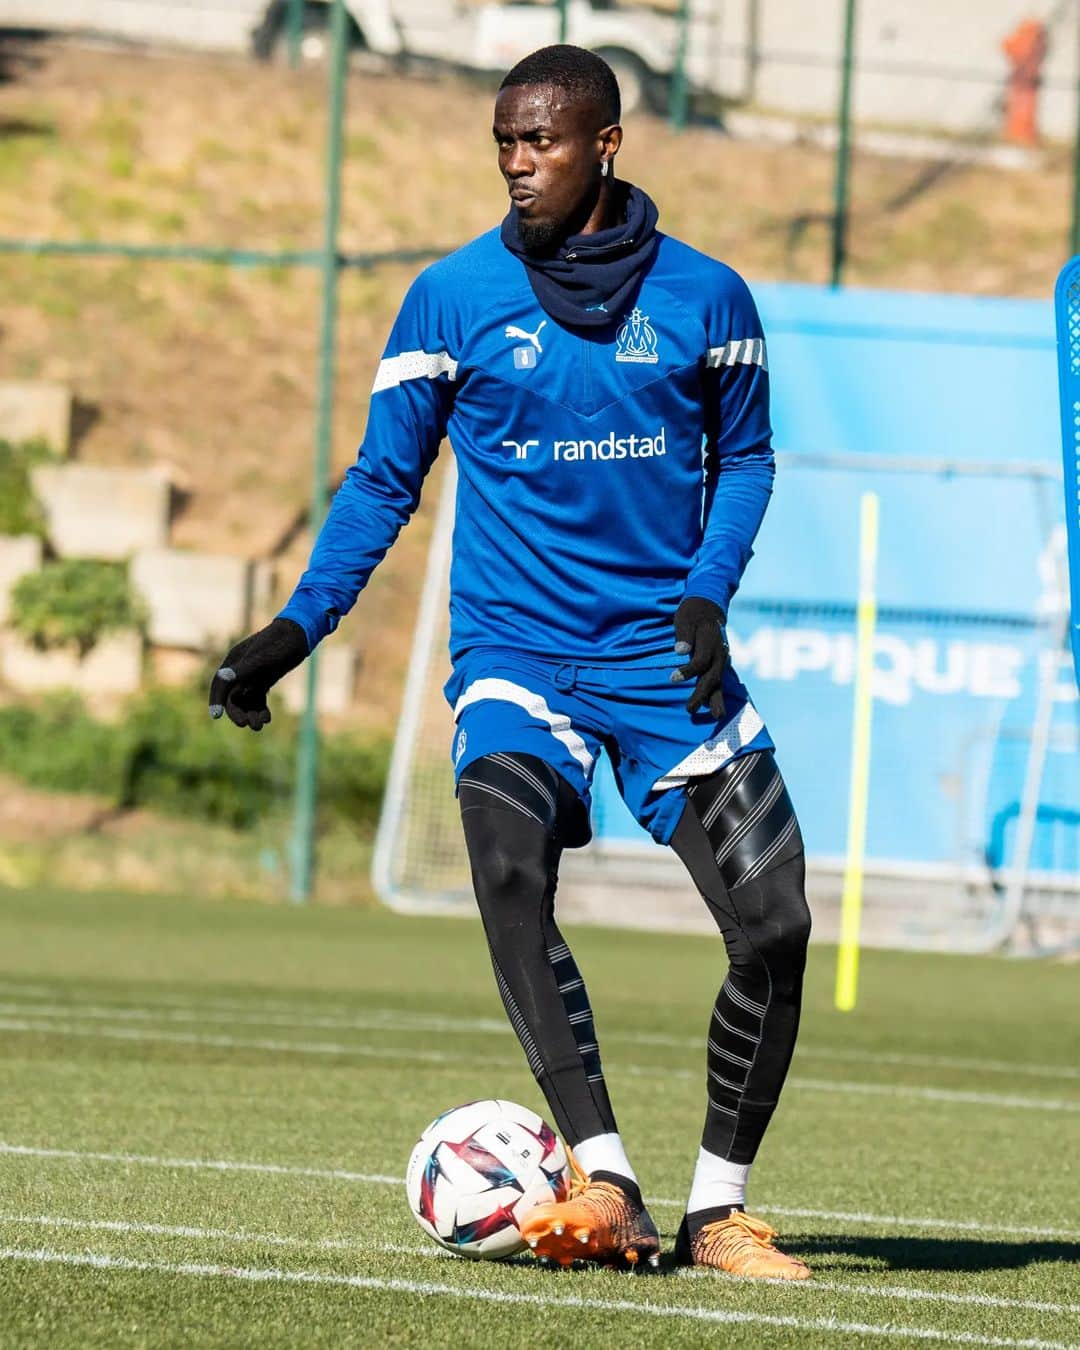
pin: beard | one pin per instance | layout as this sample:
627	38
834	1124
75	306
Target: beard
539	235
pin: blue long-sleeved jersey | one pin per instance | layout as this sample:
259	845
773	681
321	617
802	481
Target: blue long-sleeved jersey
602	475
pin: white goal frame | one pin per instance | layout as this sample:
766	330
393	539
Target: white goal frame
420	863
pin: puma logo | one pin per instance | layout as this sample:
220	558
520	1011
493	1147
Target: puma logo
512	331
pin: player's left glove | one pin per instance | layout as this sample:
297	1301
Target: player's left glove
699	634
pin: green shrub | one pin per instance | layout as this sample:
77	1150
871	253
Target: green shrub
352	780
74	601
56	745
182	763
20	512
166	754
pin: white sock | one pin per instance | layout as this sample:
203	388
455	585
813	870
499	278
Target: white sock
604	1153
717	1182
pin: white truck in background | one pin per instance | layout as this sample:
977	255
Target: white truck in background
920	62
640	40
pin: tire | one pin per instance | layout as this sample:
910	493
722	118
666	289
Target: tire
637	83
270	39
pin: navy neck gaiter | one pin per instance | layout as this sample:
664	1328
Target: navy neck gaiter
588	280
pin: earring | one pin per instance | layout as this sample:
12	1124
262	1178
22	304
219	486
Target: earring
605	165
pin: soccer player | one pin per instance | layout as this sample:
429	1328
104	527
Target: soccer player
605	390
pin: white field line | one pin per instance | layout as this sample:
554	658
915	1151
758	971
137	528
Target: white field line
892	1291
383	1179
840	1087
228	1042
932	1094
906	1221
960	1062
393	1019
131	1226
272	1275
125	1227
205	1164
377	1020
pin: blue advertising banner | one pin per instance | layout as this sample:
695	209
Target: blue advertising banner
947	407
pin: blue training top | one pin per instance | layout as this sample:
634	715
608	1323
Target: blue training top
603	474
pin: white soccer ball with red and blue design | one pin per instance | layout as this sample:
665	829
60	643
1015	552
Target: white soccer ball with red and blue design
478	1170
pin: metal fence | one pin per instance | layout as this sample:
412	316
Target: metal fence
972	70
329	260
685	95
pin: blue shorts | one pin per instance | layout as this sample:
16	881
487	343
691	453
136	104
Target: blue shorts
564	713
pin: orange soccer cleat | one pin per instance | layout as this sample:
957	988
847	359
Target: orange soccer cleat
599	1221
739	1244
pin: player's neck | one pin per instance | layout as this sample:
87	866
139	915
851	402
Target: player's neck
606	211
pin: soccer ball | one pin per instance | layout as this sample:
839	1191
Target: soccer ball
478	1170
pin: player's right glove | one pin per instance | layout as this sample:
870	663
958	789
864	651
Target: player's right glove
252	667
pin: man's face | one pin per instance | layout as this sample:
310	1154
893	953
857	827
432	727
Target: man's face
550	148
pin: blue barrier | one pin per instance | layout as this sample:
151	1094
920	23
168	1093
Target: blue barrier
1067	315
947	407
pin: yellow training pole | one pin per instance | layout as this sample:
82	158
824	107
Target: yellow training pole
847	960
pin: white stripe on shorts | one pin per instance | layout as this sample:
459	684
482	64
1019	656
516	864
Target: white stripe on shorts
716	751
535	705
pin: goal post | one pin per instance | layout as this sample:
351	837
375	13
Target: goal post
419	862
1004	871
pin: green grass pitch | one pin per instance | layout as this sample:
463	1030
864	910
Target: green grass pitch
205	1112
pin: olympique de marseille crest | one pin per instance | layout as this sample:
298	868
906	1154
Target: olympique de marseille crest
636	340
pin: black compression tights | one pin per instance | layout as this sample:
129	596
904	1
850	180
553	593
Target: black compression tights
516	811
740	842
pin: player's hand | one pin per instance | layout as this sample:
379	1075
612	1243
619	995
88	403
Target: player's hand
240	686
699	634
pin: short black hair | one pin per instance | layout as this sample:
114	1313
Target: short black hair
581	73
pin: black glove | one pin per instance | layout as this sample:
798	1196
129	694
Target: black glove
699	634
239	688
